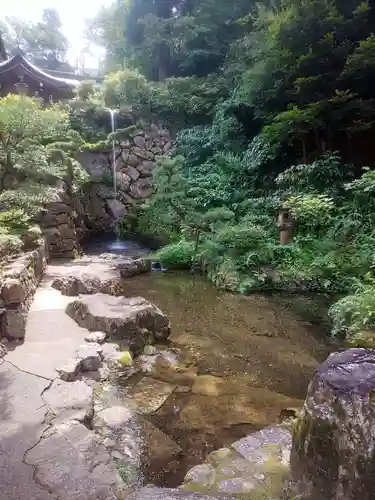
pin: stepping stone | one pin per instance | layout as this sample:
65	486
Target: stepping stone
134	320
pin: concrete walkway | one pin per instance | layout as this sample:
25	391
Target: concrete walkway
41	459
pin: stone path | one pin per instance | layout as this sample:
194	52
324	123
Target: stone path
46	449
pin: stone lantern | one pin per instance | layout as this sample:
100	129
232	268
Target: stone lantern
285	224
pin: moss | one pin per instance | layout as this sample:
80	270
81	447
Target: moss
365	339
122	133
126	358
315	452
97	146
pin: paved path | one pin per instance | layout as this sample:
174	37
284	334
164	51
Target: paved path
26	374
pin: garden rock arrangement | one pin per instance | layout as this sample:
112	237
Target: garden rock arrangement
333	447
136	156
18	281
132	320
87	438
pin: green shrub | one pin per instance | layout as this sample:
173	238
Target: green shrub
354	313
13	221
177	255
10	245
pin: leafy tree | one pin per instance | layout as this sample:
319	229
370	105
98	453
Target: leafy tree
36	147
43	43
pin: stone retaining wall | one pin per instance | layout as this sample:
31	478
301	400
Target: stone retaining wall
62	224
136	156
18	282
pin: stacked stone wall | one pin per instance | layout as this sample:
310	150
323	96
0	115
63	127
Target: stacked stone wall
19	280
135	161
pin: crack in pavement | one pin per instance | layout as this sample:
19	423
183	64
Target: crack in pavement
27	372
46	426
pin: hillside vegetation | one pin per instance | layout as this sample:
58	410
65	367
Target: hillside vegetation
272	105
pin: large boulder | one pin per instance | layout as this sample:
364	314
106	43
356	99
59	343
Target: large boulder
132	320
333	453
86	284
134	267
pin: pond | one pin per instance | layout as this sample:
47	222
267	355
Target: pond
242	361
232	364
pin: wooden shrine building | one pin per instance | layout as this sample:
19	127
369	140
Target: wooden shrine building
18	75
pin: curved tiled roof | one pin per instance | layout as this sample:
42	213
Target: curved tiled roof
34	71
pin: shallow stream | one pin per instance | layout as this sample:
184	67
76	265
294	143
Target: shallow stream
232	365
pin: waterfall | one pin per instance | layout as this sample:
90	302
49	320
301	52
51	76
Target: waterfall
112	113
117	245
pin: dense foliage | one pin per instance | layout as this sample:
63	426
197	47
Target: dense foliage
36	155
273	105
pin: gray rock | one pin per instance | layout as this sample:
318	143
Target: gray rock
123	181
86	284
167	147
109	351
114	417
336	431
132	172
90	358
150	350
143	153
14	323
70	462
141	189
133	160
116	208
146	168
69	401
69	370
140	141
94	163
172	494
255	467
134	267
134	320
96	337
12	291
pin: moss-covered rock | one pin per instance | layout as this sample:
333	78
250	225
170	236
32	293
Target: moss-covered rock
253	468
333	455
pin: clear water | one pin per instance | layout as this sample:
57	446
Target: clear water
263	348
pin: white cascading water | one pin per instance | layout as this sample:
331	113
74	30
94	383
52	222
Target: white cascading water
118	244
112	113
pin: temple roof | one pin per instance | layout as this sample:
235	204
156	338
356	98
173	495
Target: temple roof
19	61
